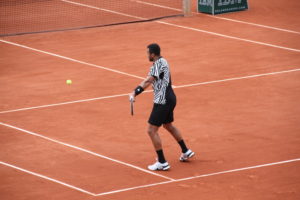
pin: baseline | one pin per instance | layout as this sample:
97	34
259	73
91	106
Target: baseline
86	151
149	185
47	178
200	176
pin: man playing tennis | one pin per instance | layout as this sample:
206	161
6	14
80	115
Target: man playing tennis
164	104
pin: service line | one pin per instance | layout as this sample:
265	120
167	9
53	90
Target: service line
147	91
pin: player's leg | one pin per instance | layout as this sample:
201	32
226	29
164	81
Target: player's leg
153	133
186	153
174	131
161	163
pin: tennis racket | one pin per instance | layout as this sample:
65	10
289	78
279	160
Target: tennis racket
131	108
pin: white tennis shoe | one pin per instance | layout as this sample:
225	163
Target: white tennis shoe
159	166
187	155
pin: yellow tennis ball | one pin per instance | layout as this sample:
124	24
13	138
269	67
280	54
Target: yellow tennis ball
69	82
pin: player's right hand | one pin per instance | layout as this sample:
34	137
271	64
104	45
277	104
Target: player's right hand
131	98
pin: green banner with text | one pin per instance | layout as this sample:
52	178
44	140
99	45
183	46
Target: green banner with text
221	6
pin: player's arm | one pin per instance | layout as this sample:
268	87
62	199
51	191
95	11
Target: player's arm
147	82
141	87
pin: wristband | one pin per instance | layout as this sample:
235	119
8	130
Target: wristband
138	90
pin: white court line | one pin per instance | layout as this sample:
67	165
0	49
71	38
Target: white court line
156	5
200	176
71	59
71	102
254	24
103	9
204	31
238	78
65	103
161	22
228	36
217	17
47	178
86	151
146	91
149	185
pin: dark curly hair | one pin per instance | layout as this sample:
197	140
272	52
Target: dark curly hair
154	48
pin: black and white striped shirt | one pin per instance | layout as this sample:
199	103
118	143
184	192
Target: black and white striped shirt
162	83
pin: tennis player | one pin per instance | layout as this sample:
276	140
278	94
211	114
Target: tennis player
164	104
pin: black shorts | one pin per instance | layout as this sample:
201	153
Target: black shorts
162	114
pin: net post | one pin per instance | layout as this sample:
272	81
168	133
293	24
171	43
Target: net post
186	7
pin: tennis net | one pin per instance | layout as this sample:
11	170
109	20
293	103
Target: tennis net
36	16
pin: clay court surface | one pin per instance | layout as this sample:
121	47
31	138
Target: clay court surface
237	80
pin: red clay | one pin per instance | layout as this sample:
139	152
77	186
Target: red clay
229	125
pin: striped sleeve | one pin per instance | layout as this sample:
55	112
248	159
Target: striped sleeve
154	70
